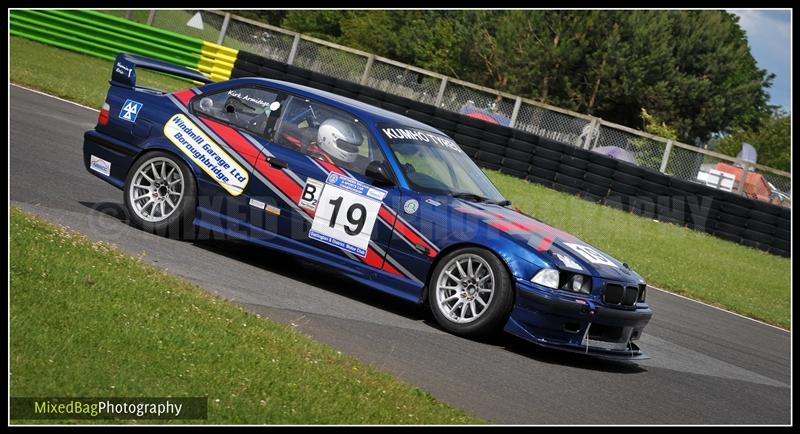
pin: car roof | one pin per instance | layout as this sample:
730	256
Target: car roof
364	111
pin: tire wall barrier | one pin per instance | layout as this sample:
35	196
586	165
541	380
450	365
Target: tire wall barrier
102	35
566	168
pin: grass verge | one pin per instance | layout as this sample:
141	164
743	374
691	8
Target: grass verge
89	321
695	264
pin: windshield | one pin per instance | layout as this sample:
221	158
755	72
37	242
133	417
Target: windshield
433	163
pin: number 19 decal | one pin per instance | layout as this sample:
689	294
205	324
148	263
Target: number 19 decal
345	214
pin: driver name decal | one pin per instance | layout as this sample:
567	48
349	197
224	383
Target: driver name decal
205	153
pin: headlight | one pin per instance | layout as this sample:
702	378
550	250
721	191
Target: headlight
581	283
547	277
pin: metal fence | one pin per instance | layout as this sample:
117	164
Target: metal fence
673	158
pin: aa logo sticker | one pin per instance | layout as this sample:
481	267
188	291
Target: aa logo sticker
130	110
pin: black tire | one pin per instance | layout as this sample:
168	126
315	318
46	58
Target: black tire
596	190
491	147
519	166
571	171
626	178
493	137
540	172
496	314
513	172
179	224
444	125
487	157
575	162
569	181
762	217
521	145
469	150
732	219
547	182
597	179
544	163
548	154
761	227
602	160
624	189
514	154
604	171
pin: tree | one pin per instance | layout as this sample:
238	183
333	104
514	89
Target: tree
772	140
692	69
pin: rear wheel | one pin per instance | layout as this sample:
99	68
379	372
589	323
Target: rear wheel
160	195
470	292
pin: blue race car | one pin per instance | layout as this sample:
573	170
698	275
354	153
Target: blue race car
388	201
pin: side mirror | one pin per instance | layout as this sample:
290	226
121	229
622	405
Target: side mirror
377	171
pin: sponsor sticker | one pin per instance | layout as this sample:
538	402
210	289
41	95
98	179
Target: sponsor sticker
346	214
100	165
411	206
591	254
257	203
272	210
215	162
432	202
311	194
130	110
405	134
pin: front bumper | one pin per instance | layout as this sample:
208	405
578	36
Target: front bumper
558	320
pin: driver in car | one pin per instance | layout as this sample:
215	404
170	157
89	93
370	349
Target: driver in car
339	142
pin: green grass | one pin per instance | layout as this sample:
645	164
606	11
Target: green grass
71	75
688	262
88	321
698	265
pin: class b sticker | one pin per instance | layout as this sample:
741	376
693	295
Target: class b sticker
346	211
205	153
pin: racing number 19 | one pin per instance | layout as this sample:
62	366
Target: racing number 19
357	222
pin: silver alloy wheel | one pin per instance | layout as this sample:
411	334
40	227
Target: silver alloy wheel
156	189
465	288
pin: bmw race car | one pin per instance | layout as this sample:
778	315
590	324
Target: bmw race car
388	201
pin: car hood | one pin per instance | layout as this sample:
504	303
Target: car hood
553	245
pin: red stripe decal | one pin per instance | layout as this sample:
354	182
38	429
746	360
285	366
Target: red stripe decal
388	267
545	244
331	167
234	140
184	96
385	214
412	236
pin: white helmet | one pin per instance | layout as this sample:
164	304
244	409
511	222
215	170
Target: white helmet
339	139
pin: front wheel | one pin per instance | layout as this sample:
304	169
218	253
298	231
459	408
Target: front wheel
470	292
160	195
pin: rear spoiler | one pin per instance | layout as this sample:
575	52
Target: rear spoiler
124	73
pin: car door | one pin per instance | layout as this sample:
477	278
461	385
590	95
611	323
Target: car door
354	223
232	117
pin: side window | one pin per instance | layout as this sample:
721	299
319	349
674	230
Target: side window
250	108
326	133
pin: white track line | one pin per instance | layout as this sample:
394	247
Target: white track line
719	308
55	97
659	289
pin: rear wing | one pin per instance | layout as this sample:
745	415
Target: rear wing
124	72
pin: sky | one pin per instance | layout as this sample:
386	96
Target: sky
769	35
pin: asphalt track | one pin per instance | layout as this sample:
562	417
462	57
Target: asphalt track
707	367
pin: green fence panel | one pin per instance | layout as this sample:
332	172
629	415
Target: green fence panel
103	35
